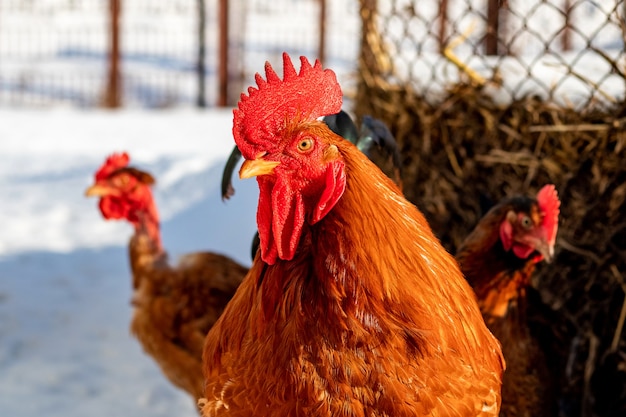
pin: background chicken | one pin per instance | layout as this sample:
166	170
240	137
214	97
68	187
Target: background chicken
498	259
353	306
174	307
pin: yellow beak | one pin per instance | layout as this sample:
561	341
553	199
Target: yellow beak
98	190
253	167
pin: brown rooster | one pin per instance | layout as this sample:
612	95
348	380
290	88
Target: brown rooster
352	307
498	259
174	307
375	140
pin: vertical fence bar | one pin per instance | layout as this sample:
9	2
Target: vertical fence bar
113	96
321	48
201	64
566	37
443	21
496	22
222	99
491	37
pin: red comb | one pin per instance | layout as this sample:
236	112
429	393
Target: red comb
113	162
262	114
549	203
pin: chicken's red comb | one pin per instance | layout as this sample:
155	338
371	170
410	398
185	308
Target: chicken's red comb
113	162
262	114
549	203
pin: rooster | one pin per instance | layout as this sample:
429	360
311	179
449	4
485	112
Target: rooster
174	307
352	307
375	140
498	259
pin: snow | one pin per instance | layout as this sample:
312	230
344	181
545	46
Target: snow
65	348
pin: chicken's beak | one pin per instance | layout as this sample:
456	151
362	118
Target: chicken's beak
545	249
254	167
540	244
98	190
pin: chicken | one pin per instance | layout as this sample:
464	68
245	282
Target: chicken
376	141
174	307
352	307
498	259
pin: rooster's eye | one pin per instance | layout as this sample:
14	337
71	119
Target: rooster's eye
527	222
305	144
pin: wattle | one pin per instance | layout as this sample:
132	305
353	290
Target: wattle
522	251
280	219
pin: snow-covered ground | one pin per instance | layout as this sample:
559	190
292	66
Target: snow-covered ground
65	348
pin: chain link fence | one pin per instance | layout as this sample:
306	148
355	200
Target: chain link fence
570	52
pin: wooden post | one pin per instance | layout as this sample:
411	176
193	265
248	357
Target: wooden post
113	93
222	99
201	64
443	21
491	37
321	49
566	37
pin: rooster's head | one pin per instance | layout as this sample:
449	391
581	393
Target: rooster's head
300	172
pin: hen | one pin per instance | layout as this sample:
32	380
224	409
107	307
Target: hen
174	307
352	307
498	259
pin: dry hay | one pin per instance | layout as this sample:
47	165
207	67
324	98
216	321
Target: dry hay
464	154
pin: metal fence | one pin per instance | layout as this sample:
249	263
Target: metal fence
56	52
567	51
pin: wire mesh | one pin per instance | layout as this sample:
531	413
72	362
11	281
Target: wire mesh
570	52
